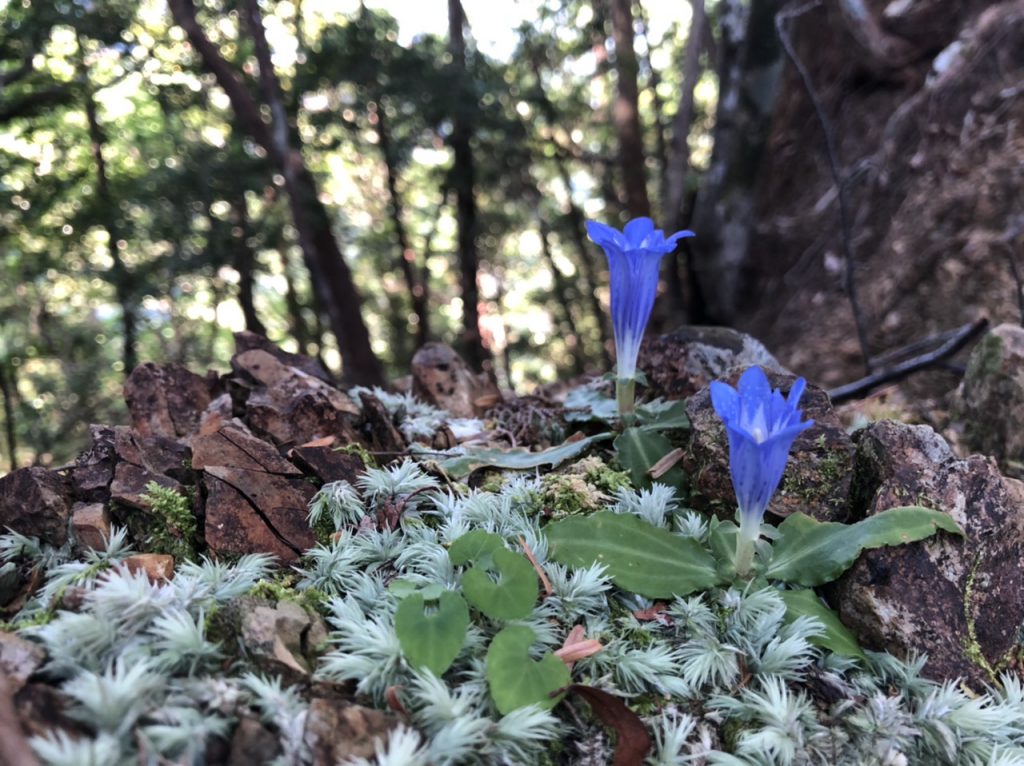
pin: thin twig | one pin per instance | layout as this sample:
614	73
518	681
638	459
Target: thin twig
953	344
548	590
849	283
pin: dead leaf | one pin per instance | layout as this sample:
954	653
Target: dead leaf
577	647
666	464
633	741
656	612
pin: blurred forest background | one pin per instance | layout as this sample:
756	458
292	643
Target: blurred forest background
354	179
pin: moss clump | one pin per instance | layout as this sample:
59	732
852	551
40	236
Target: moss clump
360	452
174	527
583	487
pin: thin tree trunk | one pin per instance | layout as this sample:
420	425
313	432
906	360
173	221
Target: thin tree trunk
296	320
330	275
407	257
119	274
245	263
566	297
724	209
626	111
653	81
576	223
678	167
8	389
464	180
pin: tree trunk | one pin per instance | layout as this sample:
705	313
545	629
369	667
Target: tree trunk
678	166
119	274
576	223
626	111
566	297
8	390
332	280
245	263
724	209
406	257
464	179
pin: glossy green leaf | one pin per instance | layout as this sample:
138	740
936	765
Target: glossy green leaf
837	638
474	546
510	598
517	680
661	415
638	450
809	552
402	588
640	558
519	459
432	638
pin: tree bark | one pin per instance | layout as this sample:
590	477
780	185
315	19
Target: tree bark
120	276
245	263
678	166
724	209
463	181
332	280
8	390
576	223
626	111
566	297
407	257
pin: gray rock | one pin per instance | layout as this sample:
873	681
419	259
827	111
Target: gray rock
338	730
679	364
956	599
281	638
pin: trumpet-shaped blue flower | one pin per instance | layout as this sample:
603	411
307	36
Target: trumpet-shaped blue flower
634	255
762	426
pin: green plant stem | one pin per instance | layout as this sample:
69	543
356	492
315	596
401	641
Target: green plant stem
625	396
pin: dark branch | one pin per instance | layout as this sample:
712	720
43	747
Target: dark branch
952	341
849	282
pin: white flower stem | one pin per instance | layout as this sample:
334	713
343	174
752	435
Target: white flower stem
625	394
746	536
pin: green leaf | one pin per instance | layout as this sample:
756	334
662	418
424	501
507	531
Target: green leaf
403	588
519	458
640	558
809	552
515	679
661	415
513	596
432	640
592	405
638	450
474	546
837	638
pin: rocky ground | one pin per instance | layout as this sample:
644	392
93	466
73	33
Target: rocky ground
249	449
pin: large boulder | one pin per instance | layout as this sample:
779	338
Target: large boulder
168	400
36	502
818	476
990	400
955	599
681	363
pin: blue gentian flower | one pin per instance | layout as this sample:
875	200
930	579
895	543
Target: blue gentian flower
634	256
762	426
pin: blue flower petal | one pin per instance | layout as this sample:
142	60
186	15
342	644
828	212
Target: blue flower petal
762	426
634	256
